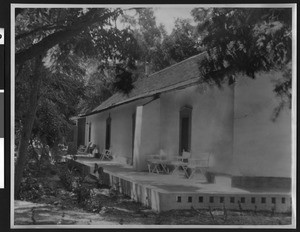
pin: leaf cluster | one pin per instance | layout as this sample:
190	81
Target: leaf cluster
245	41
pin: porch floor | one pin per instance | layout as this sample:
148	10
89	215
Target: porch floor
177	192
168	182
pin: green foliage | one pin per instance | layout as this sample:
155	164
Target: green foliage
155	46
72	149
182	42
64	84
67	180
246	41
98	87
74	182
149	37
67	177
39	164
83	193
39	30
123	81
31	189
39	161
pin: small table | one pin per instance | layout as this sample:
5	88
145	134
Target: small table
178	163
158	164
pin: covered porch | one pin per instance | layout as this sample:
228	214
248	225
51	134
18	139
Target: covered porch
163	192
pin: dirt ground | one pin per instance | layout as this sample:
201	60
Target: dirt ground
107	207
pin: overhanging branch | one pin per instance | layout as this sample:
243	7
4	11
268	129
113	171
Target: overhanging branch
50	41
44	28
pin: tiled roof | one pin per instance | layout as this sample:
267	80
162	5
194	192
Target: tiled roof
180	74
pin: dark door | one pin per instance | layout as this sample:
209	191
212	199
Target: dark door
90	131
185	125
81	132
133	134
108	133
185	129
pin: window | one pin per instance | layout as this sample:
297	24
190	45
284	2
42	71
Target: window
221	199
179	199
185	129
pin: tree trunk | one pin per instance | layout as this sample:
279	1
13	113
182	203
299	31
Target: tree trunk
28	124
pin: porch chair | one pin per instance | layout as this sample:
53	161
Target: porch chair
82	150
181	162
106	155
199	164
88	150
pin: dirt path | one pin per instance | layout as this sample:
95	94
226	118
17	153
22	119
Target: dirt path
107	207
28	213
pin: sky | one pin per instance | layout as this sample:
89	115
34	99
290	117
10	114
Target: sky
167	15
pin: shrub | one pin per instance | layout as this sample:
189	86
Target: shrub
31	189
83	193
74	183
72	150
66	176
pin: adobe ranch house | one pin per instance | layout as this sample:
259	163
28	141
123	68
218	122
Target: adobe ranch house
171	111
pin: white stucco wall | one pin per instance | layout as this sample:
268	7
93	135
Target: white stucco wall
212	123
121	129
261	147
235	126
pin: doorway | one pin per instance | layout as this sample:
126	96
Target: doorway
90	131
81	132
133	134
108	133
185	122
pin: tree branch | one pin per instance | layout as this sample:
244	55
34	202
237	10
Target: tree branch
44	28
60	36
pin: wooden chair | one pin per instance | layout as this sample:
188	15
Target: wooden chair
88	151
106	155
83	150
199	164
181	162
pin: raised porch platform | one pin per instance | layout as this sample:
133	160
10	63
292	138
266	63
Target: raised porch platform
163	192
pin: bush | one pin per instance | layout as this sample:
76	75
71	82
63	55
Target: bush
72	150
74	183
31	189
67	178
83	193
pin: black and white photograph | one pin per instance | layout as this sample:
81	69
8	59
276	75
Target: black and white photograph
153	116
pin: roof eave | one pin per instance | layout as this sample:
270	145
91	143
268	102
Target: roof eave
177	86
